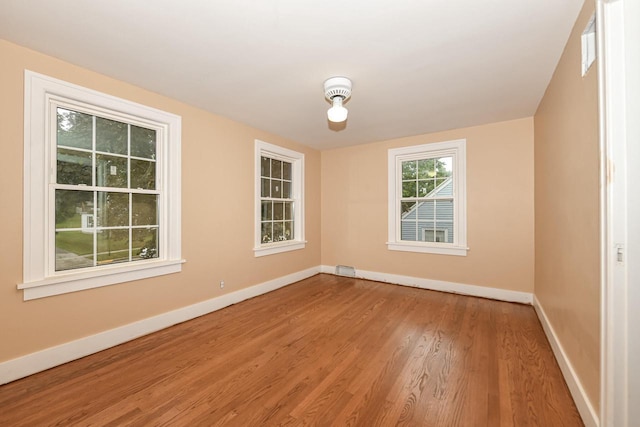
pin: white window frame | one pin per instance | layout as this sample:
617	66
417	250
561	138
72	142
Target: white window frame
455	149
588	43
297	194
39	278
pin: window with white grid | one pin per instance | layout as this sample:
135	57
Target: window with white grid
279	199
427	199
102	189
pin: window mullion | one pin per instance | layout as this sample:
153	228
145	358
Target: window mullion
130	227
52	152
95	228
107	189
398	210
130	196
95	193
435	218
456	203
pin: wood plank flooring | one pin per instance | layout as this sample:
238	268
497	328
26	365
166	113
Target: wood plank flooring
327	351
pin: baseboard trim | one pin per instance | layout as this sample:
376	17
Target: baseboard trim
440	285
587	412
29	364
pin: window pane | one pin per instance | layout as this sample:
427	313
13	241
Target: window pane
266	187
409	189
278	211
444	210
113	246
265	166
286	190
113	209
278	232
267	213
143	142
408	230
143	174
111	136
74	129
409	169
74	249
144	209
276	168
73	167
267	232
288	210
425	187
426	168
426	210
111	171
444	190
288	230
286	170
144	243
444	166
276	188
74	209
439	182
408	208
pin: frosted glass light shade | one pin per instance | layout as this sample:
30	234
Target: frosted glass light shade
337	113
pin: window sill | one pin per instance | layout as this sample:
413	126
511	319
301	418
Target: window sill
77	281
276	248
422	248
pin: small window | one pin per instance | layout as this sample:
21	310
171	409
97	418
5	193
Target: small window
427	198
102	189
589	45
279	199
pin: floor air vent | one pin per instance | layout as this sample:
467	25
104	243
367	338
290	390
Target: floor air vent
345	270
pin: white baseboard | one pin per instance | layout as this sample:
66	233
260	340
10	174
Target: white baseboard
587	412
440	285
48	358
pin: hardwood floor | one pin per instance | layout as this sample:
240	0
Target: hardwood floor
325	351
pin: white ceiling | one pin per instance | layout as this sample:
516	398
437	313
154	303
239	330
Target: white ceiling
417	66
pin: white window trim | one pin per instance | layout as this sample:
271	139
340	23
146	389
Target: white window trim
38	281
297	161
588	43
456	149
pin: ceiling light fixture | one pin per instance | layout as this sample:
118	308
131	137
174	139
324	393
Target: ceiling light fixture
337	90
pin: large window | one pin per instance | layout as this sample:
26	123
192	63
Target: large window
102	189
105	191
427	199
279	199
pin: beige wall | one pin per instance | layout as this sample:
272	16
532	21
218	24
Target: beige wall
217	212
567	274
499	214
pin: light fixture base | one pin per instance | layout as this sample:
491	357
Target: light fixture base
337	86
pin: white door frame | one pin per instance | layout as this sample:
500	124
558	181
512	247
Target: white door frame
618	108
